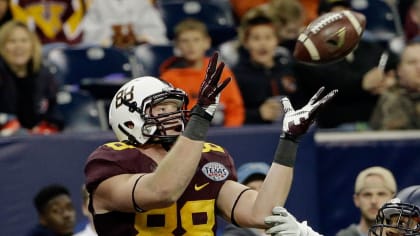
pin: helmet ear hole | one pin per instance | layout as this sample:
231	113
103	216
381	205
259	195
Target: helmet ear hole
129	124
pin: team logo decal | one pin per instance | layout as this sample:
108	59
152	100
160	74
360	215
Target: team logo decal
338	38
215	171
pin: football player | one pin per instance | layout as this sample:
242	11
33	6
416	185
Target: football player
161	178
401	216
398	217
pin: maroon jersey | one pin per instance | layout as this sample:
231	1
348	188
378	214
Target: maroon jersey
193	214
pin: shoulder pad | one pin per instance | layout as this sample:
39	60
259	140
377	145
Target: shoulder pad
211	147
119	146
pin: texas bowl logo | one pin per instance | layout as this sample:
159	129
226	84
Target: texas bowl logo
215	171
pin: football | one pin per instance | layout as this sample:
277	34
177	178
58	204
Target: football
330	37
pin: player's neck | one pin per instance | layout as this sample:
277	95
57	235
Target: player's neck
154	151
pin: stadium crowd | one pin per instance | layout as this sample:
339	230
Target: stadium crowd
62	61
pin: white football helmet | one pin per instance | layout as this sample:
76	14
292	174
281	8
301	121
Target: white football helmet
132	121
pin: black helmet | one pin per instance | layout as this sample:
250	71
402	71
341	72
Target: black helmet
401	216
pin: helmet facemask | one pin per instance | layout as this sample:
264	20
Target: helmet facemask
156	127
397	219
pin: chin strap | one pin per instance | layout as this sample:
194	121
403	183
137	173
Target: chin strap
166	142
167	146
131	139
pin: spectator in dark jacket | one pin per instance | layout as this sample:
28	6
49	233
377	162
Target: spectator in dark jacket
263	76
27	88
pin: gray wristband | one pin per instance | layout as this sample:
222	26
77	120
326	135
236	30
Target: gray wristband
286	152
197	128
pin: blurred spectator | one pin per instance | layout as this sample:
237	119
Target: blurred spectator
240	7
251	174
187	70
412	23
290	16
123	24
358	77
333	6
409	27
5	12
403	9
311	10
374	186
56	213
53	20
262	76
27	88
89	229
399	106
217	15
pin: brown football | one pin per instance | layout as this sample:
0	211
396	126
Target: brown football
330	37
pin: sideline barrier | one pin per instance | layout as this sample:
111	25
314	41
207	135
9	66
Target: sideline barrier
341	156
321	192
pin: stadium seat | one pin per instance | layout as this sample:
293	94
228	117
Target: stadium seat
96	70
382	19
79	110
229	52
217	17
48	47
81	66
151	57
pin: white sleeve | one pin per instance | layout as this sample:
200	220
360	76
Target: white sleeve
94	26
150	23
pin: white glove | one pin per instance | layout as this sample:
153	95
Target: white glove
285	224
296	123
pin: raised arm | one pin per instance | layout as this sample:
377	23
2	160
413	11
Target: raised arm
163	187
247	208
